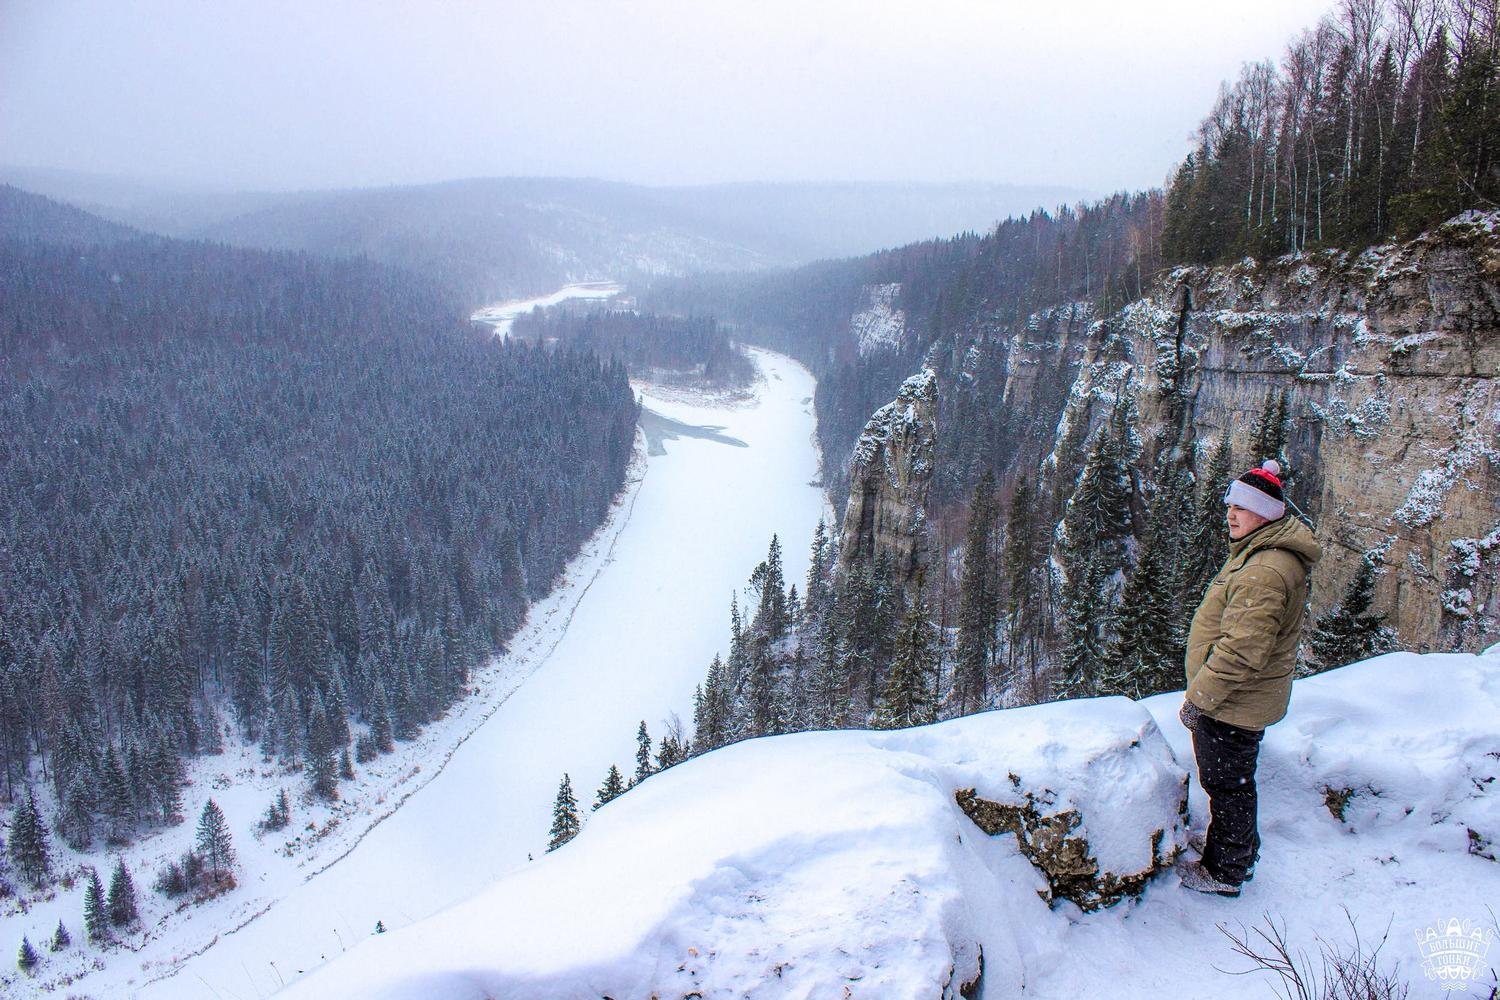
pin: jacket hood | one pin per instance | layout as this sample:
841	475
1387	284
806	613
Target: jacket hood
1285	533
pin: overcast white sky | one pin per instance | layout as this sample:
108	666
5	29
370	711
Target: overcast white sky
270	94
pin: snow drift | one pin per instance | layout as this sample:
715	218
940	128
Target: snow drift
847	864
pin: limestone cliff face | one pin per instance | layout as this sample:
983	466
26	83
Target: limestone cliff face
1390	360
890	474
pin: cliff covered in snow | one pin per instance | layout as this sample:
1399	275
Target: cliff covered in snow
1388	363
857	864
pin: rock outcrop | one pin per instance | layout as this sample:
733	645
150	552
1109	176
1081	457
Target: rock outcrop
1390	364
890	474
1389	360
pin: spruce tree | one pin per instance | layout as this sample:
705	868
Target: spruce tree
977	603
1350	632
27	959
119	805
381	729
642	754
213	841
121	902
613	787
907	698
565	819
1148	653
61	939
708	709
321	753
830	685
95	912
764	694
30	852
1208	540
1027	582
769	582
1095	526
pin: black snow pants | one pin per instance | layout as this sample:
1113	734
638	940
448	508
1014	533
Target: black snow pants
1226	769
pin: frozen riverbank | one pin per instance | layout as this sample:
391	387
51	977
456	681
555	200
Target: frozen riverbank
632	646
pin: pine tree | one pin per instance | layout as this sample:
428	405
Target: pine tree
61	939
565	819
977	604
166	774
769	583
30	853
1095	526
710	710
321	754
642	754
121	903
1148	652
27	959
213	841
119	806
1025	567
95	912
381	730
764	694
907	698
830	685
613	787
668	754
1349	632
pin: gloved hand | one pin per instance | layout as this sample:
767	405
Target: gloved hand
1190	714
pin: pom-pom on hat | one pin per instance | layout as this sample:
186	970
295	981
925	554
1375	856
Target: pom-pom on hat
1259	491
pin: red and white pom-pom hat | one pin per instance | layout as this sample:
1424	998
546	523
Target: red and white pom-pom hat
1259	491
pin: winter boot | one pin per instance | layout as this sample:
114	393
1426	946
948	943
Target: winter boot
1198	840
1199	879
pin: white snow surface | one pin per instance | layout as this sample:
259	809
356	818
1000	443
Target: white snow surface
502	315
626	635
837	864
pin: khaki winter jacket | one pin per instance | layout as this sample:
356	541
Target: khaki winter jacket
1242	646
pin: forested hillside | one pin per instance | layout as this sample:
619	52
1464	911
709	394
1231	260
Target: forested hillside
290	497
26	216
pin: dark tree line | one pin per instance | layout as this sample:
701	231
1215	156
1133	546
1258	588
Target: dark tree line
695	346
851	650
1383	120
301	494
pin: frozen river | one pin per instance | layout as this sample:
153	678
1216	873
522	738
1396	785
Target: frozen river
643	623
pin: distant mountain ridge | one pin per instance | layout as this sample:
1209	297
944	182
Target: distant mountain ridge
501	237
31	217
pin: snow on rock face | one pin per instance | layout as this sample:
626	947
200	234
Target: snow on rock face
881	324
1388	361
1095	814
797	866
889	477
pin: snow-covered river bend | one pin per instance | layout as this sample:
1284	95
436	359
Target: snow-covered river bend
628	636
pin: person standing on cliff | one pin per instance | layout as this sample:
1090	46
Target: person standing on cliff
1242	648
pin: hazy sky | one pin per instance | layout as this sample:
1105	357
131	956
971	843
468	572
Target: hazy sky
316	93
